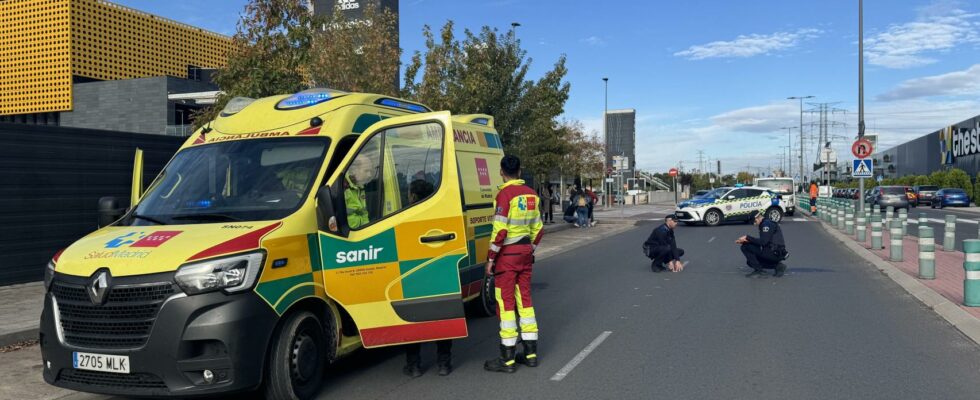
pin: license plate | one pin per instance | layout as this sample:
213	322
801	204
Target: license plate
101	362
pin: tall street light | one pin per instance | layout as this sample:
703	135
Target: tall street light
861	89
514	26
605	140
801	130
789	146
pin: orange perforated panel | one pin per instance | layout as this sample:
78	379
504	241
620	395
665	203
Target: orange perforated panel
35	64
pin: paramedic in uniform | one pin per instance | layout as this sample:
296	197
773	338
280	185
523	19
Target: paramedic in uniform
517	230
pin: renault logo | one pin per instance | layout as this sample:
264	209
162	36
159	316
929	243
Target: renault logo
98	287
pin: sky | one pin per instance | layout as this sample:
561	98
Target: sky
714	75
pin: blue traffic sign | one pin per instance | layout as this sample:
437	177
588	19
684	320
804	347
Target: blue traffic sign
863	168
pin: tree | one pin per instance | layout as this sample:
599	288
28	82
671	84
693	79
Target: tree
486	73
744	177
938	178
357	56
270	51
958	178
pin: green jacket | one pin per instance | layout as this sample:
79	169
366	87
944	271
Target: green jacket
354	198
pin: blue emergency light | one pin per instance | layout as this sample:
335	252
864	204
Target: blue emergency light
305	98
402	105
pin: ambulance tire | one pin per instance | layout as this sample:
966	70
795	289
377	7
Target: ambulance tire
774	214
486	305
298	358
713	217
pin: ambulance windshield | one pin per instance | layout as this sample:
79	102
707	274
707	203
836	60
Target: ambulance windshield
240	180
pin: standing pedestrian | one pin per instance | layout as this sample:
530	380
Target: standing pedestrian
814	191
661	247
517	230
767	251
592	202
581	202
548	203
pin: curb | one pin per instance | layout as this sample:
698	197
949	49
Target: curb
951	312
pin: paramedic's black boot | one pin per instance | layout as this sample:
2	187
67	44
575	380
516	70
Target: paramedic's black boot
445	365
780	270
413	369
530	356
506	361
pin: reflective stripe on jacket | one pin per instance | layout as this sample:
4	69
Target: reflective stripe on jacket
517	215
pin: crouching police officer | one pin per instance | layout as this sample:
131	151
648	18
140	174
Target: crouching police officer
767	251
661	247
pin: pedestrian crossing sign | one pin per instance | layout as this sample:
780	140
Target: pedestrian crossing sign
863	168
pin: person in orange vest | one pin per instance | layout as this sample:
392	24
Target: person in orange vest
517	230
814	190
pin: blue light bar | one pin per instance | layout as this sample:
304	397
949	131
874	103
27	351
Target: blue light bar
305	98
402	105
481	121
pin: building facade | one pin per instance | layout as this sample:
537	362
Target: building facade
621	136
955	146
51	47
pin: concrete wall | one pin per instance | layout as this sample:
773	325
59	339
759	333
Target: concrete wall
130	105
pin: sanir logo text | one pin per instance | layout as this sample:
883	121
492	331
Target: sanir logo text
358	255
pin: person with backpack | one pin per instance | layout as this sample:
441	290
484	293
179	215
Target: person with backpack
581	203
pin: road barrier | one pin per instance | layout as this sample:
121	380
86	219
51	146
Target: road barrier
927	253
889	214
841	219
903	215
895	241
876	231
861	226
949	237
849	221
834	218
971	285
923	220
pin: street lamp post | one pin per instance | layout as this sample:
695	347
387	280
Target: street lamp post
861	89
789	148
801	128
605	141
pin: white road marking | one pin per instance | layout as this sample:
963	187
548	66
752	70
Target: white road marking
567	369
711	240
799	219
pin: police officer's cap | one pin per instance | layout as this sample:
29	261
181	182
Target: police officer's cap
671	217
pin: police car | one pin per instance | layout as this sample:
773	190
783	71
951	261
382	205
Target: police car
728	204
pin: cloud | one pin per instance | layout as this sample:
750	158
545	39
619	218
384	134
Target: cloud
759	119
938	28
749	45
594	41
957	83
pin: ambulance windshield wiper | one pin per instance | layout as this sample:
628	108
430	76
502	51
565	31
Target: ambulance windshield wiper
151	219
206	217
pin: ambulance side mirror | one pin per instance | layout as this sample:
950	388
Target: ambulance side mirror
109	210
326	220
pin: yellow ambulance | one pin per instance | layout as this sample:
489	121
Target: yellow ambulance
284	235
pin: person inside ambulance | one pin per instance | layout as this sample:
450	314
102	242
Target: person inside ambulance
360	187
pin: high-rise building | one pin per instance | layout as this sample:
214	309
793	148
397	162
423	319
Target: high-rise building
49	47
621	136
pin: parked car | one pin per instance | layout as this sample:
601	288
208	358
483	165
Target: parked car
924	194
951	197
854	194
912	197
885	196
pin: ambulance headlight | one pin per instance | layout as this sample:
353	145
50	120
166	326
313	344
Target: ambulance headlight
231	274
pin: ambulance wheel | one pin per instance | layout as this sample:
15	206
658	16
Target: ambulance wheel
712	218
486	305
298	359
774	214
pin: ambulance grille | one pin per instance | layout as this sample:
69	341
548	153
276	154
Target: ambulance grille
108	379
123	322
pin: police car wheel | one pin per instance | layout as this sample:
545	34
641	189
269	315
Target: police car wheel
712	218
775	214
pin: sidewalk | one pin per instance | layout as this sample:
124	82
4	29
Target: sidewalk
944	294
633	212
20	305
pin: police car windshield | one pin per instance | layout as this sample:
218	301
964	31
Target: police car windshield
717	193
239	180
782	186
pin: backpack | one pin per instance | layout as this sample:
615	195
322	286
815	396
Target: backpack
582	202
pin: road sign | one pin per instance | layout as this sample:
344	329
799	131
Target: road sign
828	156
609	179
863	168
673	172
880	178
862	148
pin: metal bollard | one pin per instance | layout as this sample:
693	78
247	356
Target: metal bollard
877	209
876	231
833	217
889	214
971	285
841	220
903	215
895	242
949	237
927	253
861	226
923	220
849	222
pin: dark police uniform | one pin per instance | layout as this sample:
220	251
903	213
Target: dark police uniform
661	247
766	251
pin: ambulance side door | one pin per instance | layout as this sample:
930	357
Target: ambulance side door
392	263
